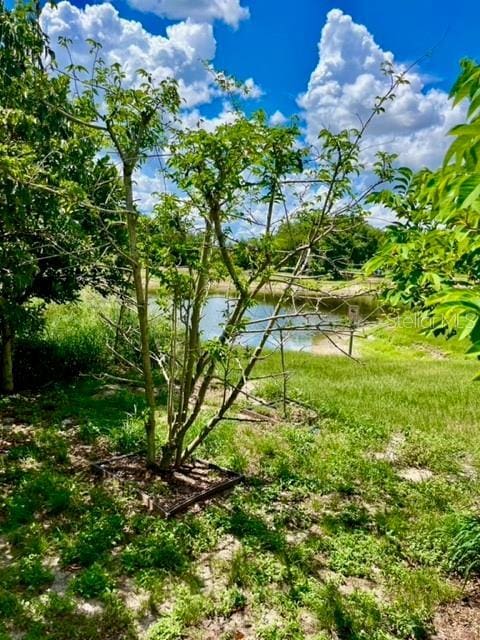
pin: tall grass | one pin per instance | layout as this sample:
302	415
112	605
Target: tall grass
78	338
72	340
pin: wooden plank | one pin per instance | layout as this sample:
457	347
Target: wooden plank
220	487
233	478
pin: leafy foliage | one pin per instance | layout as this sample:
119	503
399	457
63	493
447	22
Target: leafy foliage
348	242
432	256
465	548
52	230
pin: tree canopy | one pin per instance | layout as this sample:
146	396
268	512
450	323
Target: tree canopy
57	197
432	252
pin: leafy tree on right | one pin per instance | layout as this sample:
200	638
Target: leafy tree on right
431	256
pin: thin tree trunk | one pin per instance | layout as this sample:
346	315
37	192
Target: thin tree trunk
7	385
142	313
118	329
284	374
198	440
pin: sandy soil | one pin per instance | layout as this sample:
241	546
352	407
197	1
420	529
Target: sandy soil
459	620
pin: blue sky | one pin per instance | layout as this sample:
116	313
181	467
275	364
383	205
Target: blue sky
280	48
317	59
277	44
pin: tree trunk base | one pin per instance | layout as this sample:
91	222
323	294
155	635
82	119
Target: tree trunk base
6	377
171	491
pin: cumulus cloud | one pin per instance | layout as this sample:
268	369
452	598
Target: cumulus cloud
343	87
180	54
251	90
277	119
229	11
183	53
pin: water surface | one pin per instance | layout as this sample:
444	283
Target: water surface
298	333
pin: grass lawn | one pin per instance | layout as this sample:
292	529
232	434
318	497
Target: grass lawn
354	524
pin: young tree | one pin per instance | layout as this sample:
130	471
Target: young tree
133	119
219	174
51	232
236	174
241	174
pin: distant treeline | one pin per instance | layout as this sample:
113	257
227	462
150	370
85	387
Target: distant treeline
337	254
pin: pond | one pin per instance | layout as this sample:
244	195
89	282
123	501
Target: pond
298	333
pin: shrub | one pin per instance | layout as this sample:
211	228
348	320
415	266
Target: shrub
92	583
233	599
465	548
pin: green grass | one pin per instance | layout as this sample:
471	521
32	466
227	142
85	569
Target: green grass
326	540
78	338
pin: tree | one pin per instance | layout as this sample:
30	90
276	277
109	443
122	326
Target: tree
223	176
350	243
133	119
218	179
432	253
218	173
52	231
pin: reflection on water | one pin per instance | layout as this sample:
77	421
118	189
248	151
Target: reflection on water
298	332
295	334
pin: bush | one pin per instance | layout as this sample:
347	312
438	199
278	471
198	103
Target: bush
92	583
465	549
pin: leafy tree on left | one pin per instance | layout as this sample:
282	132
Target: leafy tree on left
57	198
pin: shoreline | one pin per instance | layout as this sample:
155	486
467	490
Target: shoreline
345	290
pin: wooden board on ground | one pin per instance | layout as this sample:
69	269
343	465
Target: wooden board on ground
172	493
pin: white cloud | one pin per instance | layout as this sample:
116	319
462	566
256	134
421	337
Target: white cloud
343	87
183	53
229	11
277	119
179	54
380	216
194	120
251	90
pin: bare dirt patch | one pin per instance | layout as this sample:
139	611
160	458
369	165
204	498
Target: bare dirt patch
459	620
336	344
392	452
415	474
